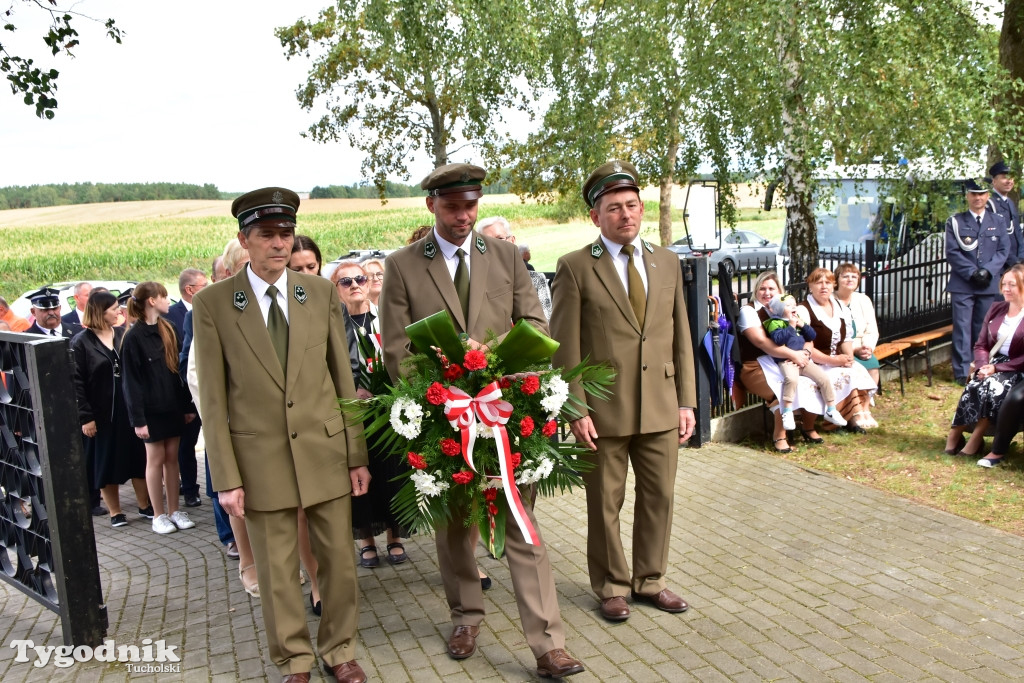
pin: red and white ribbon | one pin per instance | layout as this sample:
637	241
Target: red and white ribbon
463	412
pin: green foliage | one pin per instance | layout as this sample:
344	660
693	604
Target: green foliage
39	85
17	197
391	190
400	78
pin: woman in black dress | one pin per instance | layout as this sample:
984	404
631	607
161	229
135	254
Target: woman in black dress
118	455
158	404
371	514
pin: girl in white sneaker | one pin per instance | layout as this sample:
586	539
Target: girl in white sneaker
158	404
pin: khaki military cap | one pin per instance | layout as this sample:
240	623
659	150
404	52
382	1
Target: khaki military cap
268	205
608	177
455	181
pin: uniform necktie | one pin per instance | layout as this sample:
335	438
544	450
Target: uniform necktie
462	282
277	326
53	333
637	295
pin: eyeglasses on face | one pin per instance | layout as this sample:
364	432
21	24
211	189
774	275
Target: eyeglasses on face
347	281
376	276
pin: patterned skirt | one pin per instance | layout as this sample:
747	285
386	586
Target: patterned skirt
982	397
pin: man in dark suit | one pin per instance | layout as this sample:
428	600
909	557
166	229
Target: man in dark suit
271	350
977	246
1005	205
495	290
190	282
73	319
46	311
619	301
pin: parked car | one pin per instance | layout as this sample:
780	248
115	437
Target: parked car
22	306
741	250
359	255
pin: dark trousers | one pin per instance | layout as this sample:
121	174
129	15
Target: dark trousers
187	467
220	517
90	474
968	314
1010	419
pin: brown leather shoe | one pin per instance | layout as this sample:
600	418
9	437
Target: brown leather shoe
666	601
558	664
296	678
349	672
462	642
614	609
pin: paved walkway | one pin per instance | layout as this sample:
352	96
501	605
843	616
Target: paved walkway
790	574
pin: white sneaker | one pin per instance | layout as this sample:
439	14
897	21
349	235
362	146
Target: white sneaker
180	519
835	418
788	423
164	525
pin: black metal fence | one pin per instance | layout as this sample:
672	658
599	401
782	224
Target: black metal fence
47	547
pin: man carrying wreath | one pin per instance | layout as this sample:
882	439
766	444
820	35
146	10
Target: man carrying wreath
485	287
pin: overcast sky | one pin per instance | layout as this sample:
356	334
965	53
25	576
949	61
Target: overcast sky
198	92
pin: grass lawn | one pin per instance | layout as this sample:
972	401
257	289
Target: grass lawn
904	456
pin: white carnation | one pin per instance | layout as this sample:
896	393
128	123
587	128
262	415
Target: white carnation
412	413
556	392
426	484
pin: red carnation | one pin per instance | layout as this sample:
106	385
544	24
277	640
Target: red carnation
516	459
453	372
504	382
530	385
436	394
526	426
492	508
463	477
490	494
475	360
549	428
450	447
417	461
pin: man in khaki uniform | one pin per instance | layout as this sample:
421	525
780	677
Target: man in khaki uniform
620	301
273	358
495	292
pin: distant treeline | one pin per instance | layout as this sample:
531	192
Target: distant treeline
88	193
391	190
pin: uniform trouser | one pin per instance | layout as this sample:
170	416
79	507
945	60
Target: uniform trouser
791	374
968	314
1009	420
532	581
188	470
654	458
275	548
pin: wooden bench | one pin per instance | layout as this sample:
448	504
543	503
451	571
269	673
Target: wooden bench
885	354
922	343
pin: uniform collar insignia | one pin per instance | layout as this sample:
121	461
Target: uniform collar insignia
429	249
596	250
647	246
241	301
300	294
480	246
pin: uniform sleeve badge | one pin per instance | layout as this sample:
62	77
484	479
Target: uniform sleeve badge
429	249
300	294
241	301
596	250
480	246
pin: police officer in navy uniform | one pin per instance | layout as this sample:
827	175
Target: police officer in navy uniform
46	310
1006	206
977	247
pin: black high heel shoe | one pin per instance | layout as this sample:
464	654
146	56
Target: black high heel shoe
317	606
808	438
781	450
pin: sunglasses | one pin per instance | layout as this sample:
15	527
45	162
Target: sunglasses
347	281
